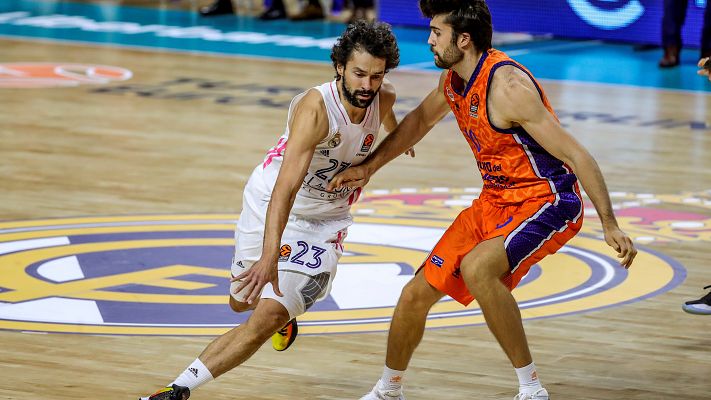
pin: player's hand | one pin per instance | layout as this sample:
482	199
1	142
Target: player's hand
622	244
255	278
352	177
410	152
703	71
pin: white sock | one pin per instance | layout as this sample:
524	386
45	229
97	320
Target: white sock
391	381
194	376
528	379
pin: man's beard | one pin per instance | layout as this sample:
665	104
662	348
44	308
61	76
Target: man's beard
451	56
352	96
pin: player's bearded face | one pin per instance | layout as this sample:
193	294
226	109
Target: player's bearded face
450	56
360	98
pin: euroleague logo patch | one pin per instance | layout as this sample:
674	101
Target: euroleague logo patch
367	142
169	274
44	75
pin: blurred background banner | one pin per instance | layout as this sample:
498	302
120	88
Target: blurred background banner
632	21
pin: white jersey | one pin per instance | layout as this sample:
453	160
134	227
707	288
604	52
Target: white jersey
347	144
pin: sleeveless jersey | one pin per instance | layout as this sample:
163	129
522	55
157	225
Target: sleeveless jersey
513	166
345	145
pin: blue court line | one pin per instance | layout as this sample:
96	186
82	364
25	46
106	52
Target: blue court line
184	31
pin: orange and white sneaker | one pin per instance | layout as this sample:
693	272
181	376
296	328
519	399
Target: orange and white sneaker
284	337
379	394
173	392
540	394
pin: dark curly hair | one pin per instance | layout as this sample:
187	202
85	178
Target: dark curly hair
465	16
376	38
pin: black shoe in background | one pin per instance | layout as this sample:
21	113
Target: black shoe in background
670	59
218	7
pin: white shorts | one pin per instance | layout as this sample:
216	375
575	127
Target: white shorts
309	254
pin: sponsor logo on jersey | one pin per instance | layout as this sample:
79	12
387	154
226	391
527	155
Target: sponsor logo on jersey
284	252
474	106
367	143
437	260
449	93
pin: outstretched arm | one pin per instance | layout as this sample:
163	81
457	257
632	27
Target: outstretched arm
514	98
411	130
308	127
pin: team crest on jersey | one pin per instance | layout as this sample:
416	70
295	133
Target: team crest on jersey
367	142
335	140
474	106
169	274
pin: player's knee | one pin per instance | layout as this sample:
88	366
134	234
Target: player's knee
238	306
479	276
415	294
262	327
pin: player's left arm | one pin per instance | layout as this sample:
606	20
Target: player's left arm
518	101
308	128
387	102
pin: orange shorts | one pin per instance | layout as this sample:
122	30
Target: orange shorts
532	230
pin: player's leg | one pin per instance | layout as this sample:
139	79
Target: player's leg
406	331
416	300
408	322
227	351
236	346
482	270
496	265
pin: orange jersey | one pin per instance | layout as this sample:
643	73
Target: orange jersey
513	166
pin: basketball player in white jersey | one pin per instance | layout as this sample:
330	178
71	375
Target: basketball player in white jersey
291	230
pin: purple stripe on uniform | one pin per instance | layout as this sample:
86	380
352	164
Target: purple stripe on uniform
546	165
534	232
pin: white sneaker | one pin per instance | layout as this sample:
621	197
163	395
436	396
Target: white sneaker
540	394
377	394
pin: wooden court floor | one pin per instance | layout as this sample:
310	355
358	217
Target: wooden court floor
151	148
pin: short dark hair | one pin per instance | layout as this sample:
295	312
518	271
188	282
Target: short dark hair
376	38
465	16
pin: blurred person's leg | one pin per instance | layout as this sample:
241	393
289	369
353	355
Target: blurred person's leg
706	33
672	22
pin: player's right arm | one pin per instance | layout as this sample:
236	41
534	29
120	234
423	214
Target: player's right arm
307	129
411	130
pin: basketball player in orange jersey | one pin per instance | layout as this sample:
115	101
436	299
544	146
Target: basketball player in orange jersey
290	233
530	204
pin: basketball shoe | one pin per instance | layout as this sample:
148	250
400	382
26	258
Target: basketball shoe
284	337
379	394
540	394
174	392
701	306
